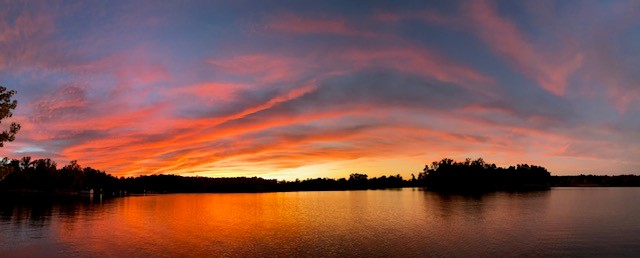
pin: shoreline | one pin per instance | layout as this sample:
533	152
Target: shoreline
28	193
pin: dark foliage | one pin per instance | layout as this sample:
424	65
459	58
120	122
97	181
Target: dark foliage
477	175
7	105
593	180
42	175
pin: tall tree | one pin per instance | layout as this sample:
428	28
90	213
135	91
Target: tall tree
6	106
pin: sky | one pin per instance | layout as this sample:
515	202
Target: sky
306	89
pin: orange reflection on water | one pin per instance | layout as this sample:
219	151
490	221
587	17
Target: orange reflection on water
406	223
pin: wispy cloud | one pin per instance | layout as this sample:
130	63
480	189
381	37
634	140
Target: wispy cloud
551	68
286	92
296	24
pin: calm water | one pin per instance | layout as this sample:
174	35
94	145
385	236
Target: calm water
383	223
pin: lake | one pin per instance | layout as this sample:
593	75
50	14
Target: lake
377	223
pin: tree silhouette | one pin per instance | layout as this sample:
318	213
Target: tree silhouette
478	175
6	107
25	163
446	175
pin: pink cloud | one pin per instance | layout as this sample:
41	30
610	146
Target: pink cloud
25	41
291	23
207	93
263	68
419	61
147	150
551	68
130	103
610	71
428	15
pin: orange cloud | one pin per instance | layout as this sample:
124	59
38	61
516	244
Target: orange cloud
193	143
196	134
154	141
308	93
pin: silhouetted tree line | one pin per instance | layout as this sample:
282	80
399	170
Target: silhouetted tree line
477	175
45	176
354	182
25	175
594	180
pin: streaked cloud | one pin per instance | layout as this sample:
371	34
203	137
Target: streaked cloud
550	67
295	91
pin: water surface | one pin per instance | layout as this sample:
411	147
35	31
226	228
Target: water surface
380	223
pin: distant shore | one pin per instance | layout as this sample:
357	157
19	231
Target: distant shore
326	185
42	176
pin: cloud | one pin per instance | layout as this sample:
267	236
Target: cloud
417	61
337	90
295	24
260	67
612	66
67	103
25	38
551	68
428	15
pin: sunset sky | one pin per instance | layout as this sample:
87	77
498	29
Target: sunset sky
300	89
